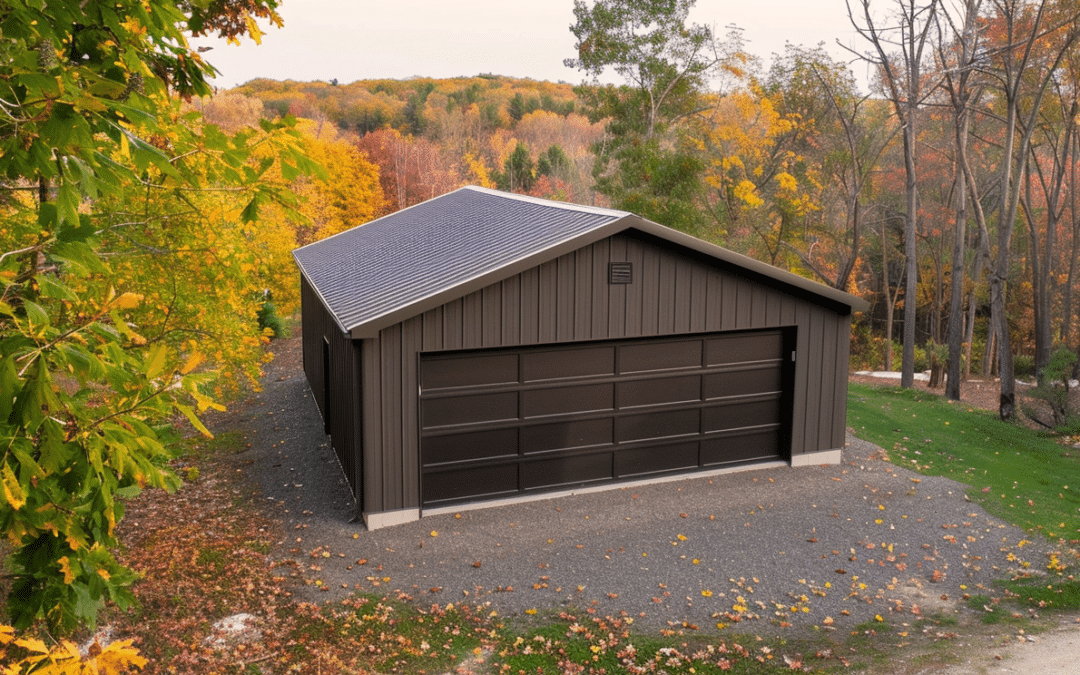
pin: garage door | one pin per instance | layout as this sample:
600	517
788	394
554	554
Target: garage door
496	423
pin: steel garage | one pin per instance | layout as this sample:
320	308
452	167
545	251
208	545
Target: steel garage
484	345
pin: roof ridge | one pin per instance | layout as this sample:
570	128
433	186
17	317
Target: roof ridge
540	201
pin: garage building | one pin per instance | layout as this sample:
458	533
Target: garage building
484	345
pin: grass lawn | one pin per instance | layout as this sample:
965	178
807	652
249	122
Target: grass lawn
1022	476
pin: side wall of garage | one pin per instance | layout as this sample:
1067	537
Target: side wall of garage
332	366
569	299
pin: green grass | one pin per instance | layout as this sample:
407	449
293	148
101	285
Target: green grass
1016	474
1022	476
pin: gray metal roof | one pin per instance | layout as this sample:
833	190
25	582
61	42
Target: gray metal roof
393	268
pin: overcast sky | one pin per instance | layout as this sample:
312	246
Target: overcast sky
350	40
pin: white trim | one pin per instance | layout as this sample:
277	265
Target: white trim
812	458
376	521
589	489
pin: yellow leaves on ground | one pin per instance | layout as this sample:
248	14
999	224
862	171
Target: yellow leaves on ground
31	655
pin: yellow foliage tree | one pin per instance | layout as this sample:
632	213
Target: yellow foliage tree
753	172
348	195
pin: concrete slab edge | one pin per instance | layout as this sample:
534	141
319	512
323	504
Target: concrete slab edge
817	458
376	521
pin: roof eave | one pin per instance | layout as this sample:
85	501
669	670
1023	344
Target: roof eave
853	302
837	298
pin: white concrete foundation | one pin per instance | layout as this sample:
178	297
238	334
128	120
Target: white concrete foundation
818	458
375	521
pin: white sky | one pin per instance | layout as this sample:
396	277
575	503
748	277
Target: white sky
362	39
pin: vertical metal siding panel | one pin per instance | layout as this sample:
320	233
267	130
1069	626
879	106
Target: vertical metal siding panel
699	297
511	310
788	306
391	417
472	328
343	399
730	304
312	322
491	315
583	296
411	340
635	255
601	258
357	409
773	301
452	324
371	400
617	292
666	294
714	309
433	329
683	293
840	391
548	314
827	396
650	291
757	306
565	310
530	306
803	363
813	382
744	291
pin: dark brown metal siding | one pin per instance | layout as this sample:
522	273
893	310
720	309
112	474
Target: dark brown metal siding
341	385
672	292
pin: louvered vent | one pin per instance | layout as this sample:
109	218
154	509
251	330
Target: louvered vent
620	273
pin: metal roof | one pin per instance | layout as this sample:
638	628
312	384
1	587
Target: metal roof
375	275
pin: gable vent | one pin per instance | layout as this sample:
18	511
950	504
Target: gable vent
620	273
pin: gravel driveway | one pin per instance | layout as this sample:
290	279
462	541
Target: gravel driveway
815	546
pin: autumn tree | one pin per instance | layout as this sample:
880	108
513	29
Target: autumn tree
347	195
643	163
1033	39
957	54
90	127
899	49
838	141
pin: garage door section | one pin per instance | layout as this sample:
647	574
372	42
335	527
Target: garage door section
495	423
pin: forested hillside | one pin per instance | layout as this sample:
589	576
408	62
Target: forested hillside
790	164
147	221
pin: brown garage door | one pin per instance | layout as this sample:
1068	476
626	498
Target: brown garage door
495	423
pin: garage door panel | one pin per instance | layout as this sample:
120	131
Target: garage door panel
560	471
642	461
659	391
755	445
651	357
506	421
743	382
741	348
472	482
562	400
738	415
558	364
470	371
657	425
439	412
567	435
470	446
